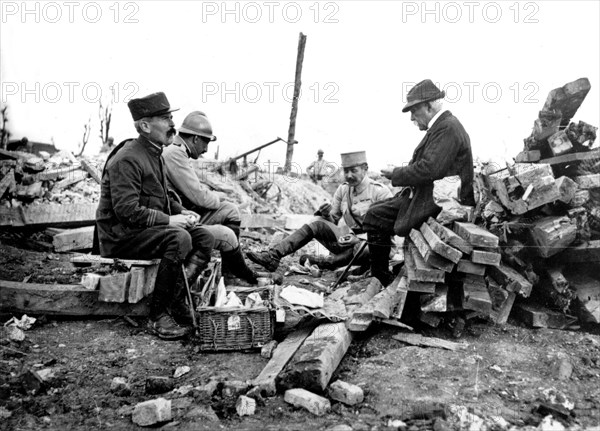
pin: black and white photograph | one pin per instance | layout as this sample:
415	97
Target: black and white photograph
289	215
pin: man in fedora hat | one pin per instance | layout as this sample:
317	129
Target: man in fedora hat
444	151
337	219
319	168
222	219
136	218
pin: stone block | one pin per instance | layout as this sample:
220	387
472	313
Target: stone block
346	393
152	412
314	403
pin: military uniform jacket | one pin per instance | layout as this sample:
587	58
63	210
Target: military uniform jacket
444	151
361	197
133	194
183	179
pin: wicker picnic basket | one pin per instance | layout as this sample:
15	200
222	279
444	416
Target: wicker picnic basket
234	328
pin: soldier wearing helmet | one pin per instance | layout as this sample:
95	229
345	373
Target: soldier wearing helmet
222	219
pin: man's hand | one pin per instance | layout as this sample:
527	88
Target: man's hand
325	209
387	172
192	214
183	221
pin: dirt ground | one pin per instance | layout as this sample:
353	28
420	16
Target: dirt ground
505	377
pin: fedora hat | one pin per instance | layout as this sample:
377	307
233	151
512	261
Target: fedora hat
424	91
356	158
152	105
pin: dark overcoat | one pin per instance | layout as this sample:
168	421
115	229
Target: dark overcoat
444	151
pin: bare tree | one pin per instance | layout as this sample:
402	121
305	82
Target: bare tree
4	133
105	114
87	128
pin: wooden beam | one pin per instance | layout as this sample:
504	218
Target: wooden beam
49	215
574	157
429	256
62	300
439	246
419	270
437	301
419	340
267	379
510	279
379	306
475	235
468	267
449	237
540	317
483	257
315	361
553	234
90	170
74	239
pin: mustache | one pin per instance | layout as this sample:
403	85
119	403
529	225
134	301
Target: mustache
171	131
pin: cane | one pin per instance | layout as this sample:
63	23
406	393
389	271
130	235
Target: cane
359	251
189	296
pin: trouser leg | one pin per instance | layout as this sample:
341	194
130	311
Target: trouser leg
228	214
293	242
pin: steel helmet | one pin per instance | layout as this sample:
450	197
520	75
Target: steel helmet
196	123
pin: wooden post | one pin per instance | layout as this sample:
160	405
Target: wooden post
297	84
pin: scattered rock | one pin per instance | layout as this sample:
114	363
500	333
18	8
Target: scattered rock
5	414
314	403
152	412
233	388
120	387
158	385
563	368
267	350
346	393
339	427
549	424
396	424
206	391
245	406
202	414
180	371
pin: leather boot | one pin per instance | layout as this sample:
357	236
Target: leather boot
234	263
195	264
380	246
270	259
160	322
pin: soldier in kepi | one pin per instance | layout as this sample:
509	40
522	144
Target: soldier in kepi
339	222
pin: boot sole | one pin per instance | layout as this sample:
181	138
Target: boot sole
167	337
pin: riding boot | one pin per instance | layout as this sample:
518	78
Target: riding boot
379	248
270	259
160	321
234	263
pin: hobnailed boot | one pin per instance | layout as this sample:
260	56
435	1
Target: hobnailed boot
234	263
160	322
270	259
379	248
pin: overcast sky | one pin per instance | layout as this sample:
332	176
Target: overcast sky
236	62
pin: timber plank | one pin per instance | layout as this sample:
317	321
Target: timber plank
468	267
510	279
429	256
483	257
449	237
475	235
419	340
573	157
422	270
74	239
62	300
49	215
439	246
379	306
540	317
315	361
266	380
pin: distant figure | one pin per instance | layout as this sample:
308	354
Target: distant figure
319	169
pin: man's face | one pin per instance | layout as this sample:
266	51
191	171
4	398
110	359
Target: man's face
419	114
201	144
355	175
161	129
320	155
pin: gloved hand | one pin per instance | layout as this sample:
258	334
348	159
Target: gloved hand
349	239
324	210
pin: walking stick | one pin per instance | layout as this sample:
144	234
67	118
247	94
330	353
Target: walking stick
358	252
189	296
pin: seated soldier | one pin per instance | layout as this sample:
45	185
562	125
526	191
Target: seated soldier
350	203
